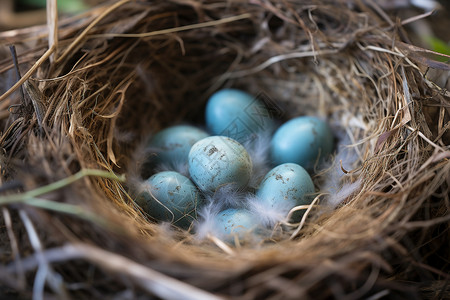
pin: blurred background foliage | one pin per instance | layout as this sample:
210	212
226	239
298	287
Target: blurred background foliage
65	6
24	13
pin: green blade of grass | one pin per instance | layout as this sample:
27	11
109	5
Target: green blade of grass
15	198
32	197
66	208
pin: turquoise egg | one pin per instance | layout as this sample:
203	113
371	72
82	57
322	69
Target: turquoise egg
172	145
235	222
284	187
237	114
303	140
219	160
171	197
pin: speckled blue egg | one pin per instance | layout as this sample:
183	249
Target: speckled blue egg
284	187
171	197
219	160
303	140
172	145
237	114
236	222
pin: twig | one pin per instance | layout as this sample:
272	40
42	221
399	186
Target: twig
32	92
150	280
380	11
302	222
13	51
175	29
45	272
52	24
88	28
418	17
425	138
426	224
14	247
277	59
379	49
221	244
28	74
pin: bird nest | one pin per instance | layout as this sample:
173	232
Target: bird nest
94	87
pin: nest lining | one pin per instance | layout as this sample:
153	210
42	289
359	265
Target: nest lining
105	93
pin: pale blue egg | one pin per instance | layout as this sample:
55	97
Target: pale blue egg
172	145
237	114
236	222
303	140
219	160
171	197
284	187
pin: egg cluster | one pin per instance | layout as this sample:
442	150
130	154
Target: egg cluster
226	159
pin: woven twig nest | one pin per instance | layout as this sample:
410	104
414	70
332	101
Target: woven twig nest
125	70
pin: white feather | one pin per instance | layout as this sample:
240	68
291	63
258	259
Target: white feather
225	197
267	215
205	225
140	156
259	149
228	196
344	192
347	155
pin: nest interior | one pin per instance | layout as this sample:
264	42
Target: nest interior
126	69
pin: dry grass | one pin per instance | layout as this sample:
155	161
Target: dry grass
124	70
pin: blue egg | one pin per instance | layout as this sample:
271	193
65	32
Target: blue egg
172	145
303	140
237	114
219	160
236	222
284	187
171	197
